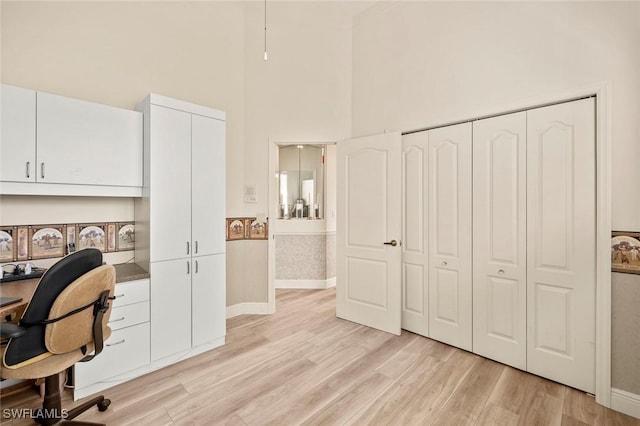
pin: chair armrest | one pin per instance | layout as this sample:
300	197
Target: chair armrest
11	331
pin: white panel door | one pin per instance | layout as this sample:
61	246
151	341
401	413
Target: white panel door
208	300
449	217
18	137
208	188
86	143
415	257
499	239
170	184
170	307
368	197
561	243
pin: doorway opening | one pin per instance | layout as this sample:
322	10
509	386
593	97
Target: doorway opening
302	205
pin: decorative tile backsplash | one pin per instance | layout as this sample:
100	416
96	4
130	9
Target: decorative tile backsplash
246	228
27	242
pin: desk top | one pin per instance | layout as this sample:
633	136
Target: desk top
25	288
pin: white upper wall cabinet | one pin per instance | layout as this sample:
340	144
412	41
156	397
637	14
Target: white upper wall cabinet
18	141
86	143
53	145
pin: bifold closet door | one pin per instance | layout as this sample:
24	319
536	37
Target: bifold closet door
561	243
449	218
499	239
415	257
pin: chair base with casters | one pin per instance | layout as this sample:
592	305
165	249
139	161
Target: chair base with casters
52	404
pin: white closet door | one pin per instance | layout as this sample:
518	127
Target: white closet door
415	257
499	239
561	243
449	217
368	287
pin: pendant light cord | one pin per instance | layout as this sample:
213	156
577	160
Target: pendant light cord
265	30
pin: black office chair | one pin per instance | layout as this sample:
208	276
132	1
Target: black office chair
64	323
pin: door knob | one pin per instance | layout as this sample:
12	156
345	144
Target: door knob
391	243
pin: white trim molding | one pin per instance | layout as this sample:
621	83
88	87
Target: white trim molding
625	402
249	308
306	284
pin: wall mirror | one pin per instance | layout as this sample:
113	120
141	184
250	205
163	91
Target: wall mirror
301	181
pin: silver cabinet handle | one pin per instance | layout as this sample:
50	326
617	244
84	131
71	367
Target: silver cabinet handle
116	320
196	266
196	246
188	269
28	169
391	243
119	295
187	247
444	263
116	343
501	271
42	170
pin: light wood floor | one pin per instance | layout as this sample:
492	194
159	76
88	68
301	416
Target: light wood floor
302	365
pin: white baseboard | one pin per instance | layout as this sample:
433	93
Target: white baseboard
249	308
625	402
306	284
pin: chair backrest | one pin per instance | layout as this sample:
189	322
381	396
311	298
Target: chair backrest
31	346
76	331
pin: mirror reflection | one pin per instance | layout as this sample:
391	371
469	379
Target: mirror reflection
301	177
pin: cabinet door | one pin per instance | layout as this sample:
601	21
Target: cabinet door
208	299
86	143
170	307
125	350
415	256
499	239
208	185
18	143
561	243
170	184
450	298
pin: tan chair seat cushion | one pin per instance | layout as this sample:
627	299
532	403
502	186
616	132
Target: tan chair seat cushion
52	364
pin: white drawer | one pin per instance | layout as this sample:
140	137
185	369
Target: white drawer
126	350
131	292
128	315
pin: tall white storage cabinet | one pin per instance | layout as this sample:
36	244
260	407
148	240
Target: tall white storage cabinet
180	226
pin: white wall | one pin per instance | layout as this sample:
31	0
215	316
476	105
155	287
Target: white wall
419	64
117	52
301	94
423	63
209	53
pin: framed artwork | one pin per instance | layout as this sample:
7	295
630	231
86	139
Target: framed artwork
111	237
126	236
22	243
8	243
256	230
625	252
46	241
92	235
235	229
